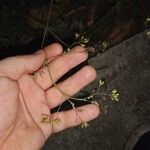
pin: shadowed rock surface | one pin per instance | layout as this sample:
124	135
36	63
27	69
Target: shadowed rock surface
126	68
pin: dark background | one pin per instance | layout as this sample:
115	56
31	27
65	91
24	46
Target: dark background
22	22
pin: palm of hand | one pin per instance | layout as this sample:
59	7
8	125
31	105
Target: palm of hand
20	114
23	101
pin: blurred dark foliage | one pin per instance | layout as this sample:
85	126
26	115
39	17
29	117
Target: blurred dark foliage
22	22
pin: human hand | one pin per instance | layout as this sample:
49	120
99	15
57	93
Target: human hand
23	100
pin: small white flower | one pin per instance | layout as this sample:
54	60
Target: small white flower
77	35
101	82
95	102
84	124
114	95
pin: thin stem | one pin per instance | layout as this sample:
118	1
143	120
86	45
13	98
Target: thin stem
58	108
47	24
70	97
48	28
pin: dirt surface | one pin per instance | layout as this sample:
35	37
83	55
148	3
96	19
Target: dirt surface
126	68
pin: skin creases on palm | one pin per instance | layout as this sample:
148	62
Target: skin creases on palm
23	100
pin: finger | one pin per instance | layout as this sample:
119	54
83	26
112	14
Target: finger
71	86
73	117
15	67
60	66
53	51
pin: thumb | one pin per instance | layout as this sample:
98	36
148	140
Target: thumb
15	67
